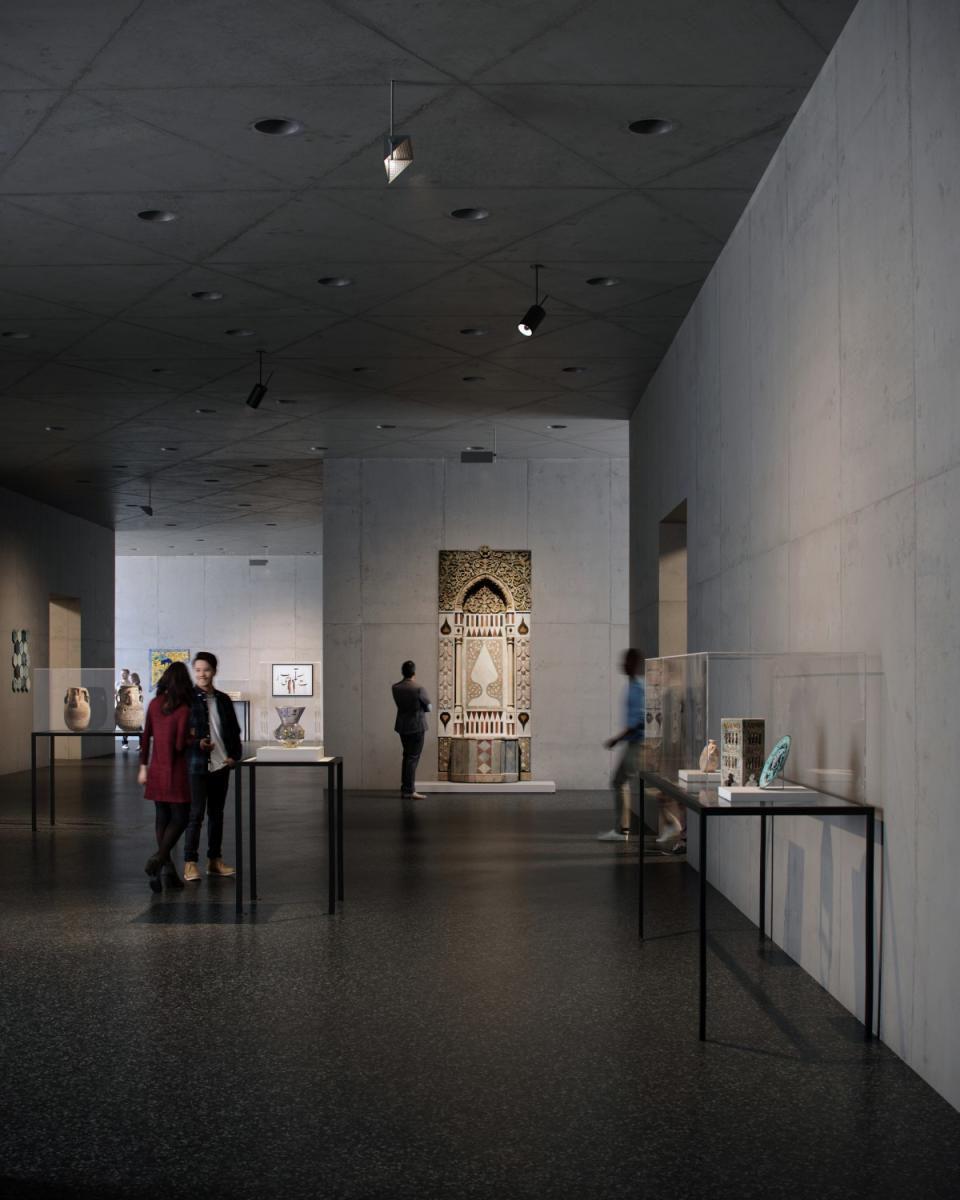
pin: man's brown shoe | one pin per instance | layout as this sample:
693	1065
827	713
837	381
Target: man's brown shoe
216	866
191	873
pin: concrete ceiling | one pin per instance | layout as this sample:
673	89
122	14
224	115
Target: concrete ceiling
518	108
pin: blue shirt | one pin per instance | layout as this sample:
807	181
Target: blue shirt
634	702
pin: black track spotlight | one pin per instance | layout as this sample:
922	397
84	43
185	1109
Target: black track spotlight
259	389
398	147
147	509
536	312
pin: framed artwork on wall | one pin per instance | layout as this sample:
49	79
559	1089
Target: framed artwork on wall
161	659
293	679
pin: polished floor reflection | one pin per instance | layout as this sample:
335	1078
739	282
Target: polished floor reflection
477	1021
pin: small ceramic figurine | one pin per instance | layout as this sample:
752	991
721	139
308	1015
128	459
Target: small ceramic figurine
710	756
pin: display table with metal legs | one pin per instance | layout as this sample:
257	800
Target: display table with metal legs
52	735
334	791
703	799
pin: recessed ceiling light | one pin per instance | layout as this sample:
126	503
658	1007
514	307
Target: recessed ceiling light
169	449
240	332
198	539
278	126
211	481
161	215
556	426
473	378
205	410
318	447
170	524
81	481
133	547
652	126
119	466
474	447
470	214
244	504
574	370
258	464
271	524
207	295
159	371
474	332
131	506
18	334
603	281
286	401
386	426
335	281
54	428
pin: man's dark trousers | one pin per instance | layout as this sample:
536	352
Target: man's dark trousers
208	794
412	749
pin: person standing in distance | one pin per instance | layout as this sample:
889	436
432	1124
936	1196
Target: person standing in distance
413	704
631	736
218	748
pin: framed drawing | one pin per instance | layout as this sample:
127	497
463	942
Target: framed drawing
293	679
161	659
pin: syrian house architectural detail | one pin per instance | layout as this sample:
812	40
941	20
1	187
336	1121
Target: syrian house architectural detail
484	689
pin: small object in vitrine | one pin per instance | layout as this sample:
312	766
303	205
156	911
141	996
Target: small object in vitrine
741	749
710	756
776	762
289	732
76	709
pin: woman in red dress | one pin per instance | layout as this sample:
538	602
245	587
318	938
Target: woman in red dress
167	732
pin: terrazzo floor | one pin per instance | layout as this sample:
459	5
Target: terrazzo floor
478	1021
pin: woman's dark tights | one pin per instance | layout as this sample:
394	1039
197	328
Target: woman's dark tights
171	822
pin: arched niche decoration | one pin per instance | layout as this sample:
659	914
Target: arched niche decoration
484	687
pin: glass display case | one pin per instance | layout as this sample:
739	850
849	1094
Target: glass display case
86	700
825	701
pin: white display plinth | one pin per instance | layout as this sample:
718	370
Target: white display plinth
539	786
279	754
699	776
788	791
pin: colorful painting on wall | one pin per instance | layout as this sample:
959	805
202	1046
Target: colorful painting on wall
161	659
293	679
20	660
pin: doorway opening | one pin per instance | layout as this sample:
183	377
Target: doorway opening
672	614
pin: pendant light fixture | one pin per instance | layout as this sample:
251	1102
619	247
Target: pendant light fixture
399	148
259	389
535	313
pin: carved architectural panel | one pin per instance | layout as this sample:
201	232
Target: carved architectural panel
484	624
459	569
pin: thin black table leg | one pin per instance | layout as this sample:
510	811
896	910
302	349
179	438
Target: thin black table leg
703	926
252	820
763	876
238	834
641	864
33	782
340	830
53	780
868	931
331	841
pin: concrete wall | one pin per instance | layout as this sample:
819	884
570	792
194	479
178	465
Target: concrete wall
45	552
384	523
249	616
808	413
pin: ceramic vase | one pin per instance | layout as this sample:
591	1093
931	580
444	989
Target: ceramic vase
129	711
76	709
289	732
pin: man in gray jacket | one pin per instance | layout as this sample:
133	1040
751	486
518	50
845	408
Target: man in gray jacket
413	704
